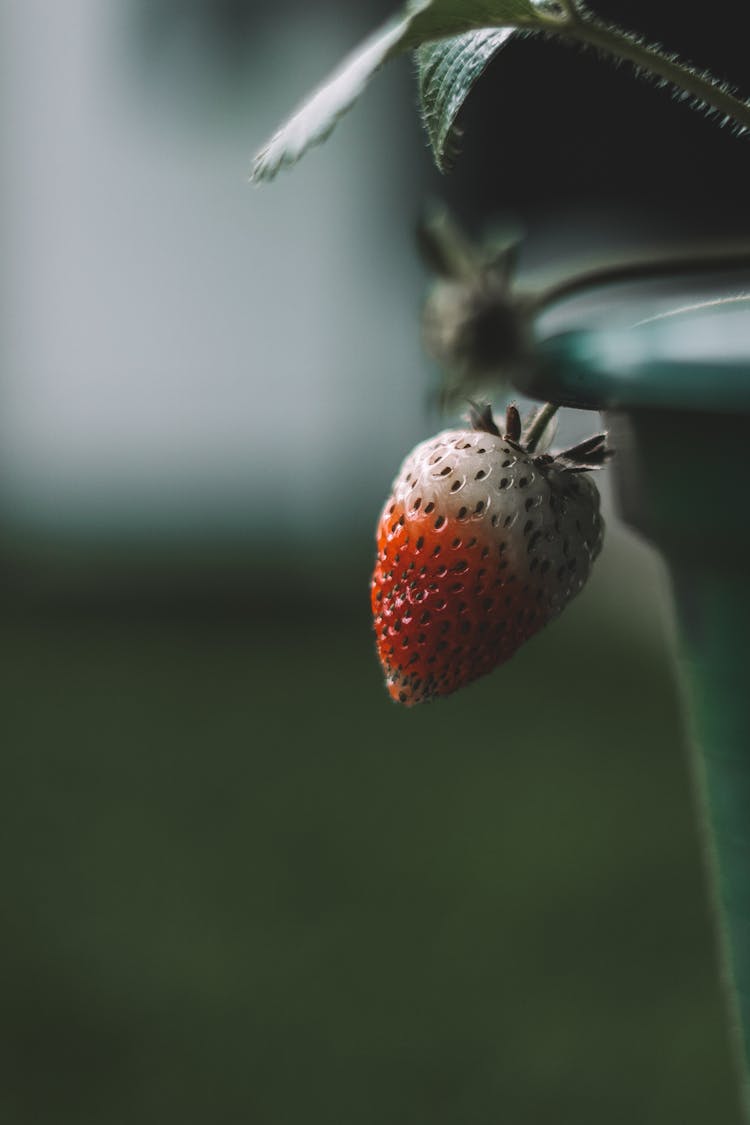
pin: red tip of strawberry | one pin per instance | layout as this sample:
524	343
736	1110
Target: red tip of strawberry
480	544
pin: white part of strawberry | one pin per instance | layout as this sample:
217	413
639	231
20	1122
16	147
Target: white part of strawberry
472	478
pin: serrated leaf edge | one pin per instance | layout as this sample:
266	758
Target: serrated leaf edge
444	138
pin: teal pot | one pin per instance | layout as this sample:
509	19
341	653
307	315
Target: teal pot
674	387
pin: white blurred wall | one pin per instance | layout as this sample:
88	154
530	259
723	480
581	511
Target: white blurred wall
179	348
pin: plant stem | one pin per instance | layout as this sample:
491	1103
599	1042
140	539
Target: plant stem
538	425
584	28
640	269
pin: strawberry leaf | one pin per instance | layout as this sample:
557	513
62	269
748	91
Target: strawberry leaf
420	21
316	118
446	71
475	31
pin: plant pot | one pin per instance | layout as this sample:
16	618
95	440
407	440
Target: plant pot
675	390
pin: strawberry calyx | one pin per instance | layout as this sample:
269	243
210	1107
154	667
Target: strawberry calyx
592	453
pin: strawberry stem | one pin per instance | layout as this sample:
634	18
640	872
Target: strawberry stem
650	59
710	259
535	430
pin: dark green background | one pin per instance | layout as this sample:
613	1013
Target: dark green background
239	885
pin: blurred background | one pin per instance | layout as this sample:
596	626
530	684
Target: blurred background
238	883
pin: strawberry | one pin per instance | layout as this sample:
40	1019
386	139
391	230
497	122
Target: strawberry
481	542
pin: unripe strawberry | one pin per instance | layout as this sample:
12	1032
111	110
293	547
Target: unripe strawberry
480	544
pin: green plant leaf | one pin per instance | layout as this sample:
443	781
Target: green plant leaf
476	30
418	22
447	70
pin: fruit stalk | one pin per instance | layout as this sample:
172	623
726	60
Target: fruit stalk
539	424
